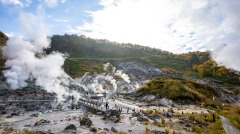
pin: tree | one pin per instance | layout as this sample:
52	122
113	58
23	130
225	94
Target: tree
194	59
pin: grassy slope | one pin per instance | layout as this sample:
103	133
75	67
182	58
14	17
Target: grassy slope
77	67
232	112
174	65
180	89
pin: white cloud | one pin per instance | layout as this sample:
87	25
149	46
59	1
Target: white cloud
61	20
172	25
63	1
9	34
53	3
23	3
9	2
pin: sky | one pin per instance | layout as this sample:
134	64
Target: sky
174	25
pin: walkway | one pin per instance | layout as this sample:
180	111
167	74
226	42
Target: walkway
228	127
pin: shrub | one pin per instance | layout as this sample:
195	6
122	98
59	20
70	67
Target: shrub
26	131
146	123
163	120
167	131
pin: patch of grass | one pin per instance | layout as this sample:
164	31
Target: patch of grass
26	131
146	122
204	123
232	112
163	120
160	125
121	132
77	67
2	119
167	131
216	128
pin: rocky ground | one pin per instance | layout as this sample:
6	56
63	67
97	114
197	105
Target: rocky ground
14	102
131	120
138	70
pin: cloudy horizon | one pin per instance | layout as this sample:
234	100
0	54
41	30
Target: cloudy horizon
171	25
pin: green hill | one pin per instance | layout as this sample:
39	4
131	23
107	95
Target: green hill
82	48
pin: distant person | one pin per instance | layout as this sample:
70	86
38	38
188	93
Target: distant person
120	110
213	115
106	105
72	105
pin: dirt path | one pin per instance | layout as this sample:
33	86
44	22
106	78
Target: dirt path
228	127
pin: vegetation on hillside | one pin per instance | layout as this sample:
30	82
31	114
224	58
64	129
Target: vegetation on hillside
205	67
200	123
232	112
3	40
84	47
76	67
204	123
181	90
194	64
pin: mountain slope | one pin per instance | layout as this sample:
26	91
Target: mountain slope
81	49
187	91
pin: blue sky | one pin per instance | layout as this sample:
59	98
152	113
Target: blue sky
173	25
58	17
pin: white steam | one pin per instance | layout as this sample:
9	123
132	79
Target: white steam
123	76
228	56
27	62
111	81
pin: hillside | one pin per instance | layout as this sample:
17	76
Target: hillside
186	91
83	51
3	40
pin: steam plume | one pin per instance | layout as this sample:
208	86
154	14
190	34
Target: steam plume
27	61
228	56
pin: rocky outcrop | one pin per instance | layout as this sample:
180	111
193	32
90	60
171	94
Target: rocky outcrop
114	130
93	129
70	127
137	69
85	121
111	113
41	122
27	99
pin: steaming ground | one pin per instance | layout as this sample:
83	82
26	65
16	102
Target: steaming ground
228	56
27	62
119	77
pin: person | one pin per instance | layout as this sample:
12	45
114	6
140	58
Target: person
72	105
106	105
213	115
